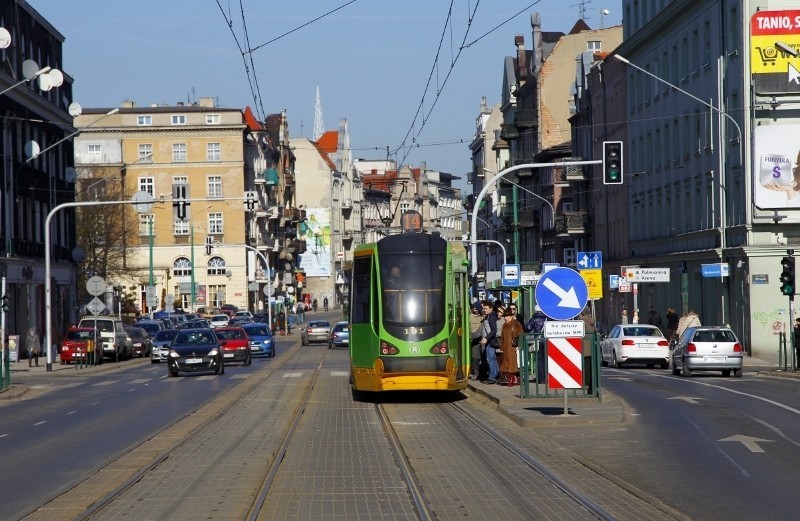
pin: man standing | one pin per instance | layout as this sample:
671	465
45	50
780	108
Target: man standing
475	319
672	322
489	340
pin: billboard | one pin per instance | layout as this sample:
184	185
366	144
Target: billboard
774	45
776	174
316	231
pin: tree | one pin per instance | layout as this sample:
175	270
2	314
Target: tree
104	231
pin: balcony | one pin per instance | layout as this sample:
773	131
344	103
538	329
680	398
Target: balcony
526	118
509	132
572	223
268	177
560	177
575	172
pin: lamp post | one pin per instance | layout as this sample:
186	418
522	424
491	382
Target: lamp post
266	263
498	177
721	179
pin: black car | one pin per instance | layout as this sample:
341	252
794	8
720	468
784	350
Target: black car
142	343
195	350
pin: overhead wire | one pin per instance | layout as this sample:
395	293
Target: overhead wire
257	47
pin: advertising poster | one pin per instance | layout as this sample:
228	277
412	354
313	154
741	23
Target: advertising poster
316	261
776	172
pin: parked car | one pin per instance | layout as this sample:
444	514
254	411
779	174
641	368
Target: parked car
235	345
243	313
228	309
161	344
635	343
112	336
196	323
195	350
220	320
75	346
142	345
239	321
340	335
315	331
261	340
151	326
708	348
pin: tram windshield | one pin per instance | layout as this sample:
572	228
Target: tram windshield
413	287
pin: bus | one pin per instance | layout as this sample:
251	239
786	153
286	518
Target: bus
409	315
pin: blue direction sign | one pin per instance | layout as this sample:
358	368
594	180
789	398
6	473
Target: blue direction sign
511	275
590	260
561	293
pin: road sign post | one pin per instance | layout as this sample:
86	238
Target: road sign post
564	365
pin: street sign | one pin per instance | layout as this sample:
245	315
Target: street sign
594	281
562	293
169	299
647	275
564	328
624	286
547	266
719	269
96	306
564	363
96	286
613	281
152	301
590	260
511	274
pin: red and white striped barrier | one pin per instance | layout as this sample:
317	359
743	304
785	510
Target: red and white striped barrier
564	363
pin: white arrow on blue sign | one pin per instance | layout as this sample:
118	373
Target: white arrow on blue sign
590	260
562	293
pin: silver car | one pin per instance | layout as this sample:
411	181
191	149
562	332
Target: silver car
315	331
707	348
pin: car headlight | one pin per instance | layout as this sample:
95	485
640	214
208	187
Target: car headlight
214	352
174	354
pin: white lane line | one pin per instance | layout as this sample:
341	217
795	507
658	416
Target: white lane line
340	373
71	412
716	444
3	435
292	375
240	376
105	383
39	423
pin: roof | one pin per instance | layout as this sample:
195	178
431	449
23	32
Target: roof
328	142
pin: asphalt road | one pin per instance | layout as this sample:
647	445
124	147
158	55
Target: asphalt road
711	447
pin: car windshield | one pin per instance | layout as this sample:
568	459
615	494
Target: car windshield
257	331
151	328
231	334
714	336
106	326
219	318
319	324
135	333
641	331
193	338
79	335
165	335
340	327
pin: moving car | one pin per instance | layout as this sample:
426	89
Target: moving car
315	331
75	346
708	348
340	335
161	343
261	340
219	320
635	343
195	350
140	340
235	344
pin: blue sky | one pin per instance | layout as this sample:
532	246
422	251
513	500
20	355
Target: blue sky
371	60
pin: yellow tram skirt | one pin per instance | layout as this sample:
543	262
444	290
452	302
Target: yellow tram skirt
374	379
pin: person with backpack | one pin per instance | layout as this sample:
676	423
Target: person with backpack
536	322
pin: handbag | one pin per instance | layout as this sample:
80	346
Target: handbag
494	342
515	341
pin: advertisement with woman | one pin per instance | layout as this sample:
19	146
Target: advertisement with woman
316	231
777	167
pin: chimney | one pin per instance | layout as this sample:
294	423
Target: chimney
521	64
538	54
207	101
128	104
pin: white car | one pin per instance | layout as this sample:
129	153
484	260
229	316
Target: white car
218	321
637	344
243	314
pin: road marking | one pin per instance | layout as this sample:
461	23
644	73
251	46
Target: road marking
742	471
623	378
141	381
40	423
71	412
340	373
749	442
687	399
292	375
240	376
107	382
3	435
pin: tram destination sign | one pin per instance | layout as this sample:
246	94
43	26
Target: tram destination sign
647	275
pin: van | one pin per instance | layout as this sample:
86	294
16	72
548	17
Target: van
112	336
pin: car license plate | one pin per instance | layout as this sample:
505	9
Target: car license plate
228	355
715	358
194	360
647	346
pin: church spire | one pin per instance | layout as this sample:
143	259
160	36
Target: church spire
319	126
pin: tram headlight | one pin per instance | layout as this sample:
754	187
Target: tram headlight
440	348
388	349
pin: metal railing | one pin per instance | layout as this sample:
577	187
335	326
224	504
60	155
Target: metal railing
533	370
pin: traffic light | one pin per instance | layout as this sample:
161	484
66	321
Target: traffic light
250	200
6	303
209	245
612	162
787	276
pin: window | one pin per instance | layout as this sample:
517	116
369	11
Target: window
215	186
216	295
180	180
216	266
147	184
145	220
144	120
179	119
182	267
179	152
212	119
213	152
95	149
181	228
569	256
594	46
215	223
145	152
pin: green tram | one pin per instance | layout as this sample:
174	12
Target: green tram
409	323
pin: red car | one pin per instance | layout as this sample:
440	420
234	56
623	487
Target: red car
75	346
235	345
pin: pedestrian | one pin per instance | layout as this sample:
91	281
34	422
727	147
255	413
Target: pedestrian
653	318
301	312
517	315
690	319
624	319
537	320
33	346
635	319
314	305
509	341
672	322
499	310
489	341
325	303
476	349
589	330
